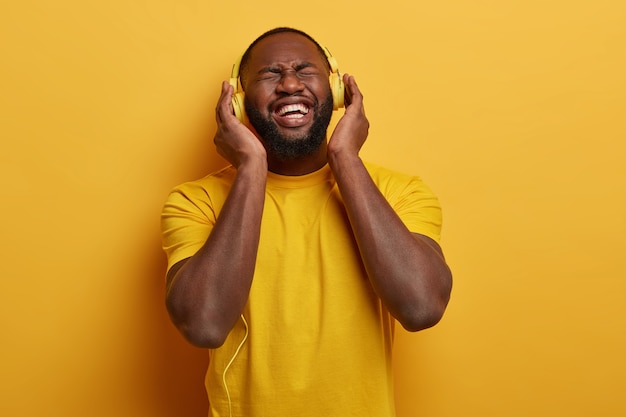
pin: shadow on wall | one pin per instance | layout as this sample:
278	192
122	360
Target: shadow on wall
178	367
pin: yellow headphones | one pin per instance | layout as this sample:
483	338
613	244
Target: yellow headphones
336	86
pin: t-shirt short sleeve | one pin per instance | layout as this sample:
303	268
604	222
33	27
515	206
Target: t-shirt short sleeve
186	221
414	202
190	212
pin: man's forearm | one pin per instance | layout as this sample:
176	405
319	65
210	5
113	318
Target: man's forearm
407	271
207	294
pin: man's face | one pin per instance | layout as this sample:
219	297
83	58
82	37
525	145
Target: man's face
287	95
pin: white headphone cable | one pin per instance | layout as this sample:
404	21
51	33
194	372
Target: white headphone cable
245	337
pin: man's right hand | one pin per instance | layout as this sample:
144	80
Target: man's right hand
234	141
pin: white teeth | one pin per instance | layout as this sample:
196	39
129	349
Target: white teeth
290	108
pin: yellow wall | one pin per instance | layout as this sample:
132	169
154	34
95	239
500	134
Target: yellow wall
513	111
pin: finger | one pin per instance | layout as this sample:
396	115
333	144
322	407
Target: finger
224	103
354	93
347	89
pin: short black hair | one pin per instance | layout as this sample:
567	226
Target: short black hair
246	55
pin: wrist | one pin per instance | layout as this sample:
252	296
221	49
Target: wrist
253	167
343	159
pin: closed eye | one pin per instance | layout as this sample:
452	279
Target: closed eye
307	69
307	73
269	74
303	70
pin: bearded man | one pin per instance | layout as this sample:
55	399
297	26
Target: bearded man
293	264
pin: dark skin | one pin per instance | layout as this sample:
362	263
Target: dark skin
207	292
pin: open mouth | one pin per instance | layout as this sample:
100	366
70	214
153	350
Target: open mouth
293	111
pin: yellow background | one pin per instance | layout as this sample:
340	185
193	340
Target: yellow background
513	111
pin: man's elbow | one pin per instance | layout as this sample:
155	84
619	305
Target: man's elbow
423	315
415	323
200	331
202	337
427	309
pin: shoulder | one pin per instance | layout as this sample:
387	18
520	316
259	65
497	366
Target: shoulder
205	195
215	181
414	202
391	181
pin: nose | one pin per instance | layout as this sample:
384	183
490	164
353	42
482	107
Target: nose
289	83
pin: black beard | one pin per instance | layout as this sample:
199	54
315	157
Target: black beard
283	147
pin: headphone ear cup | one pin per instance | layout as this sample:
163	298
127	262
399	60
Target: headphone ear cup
239	107
337	89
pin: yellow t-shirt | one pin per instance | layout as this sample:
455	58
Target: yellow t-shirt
318	340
